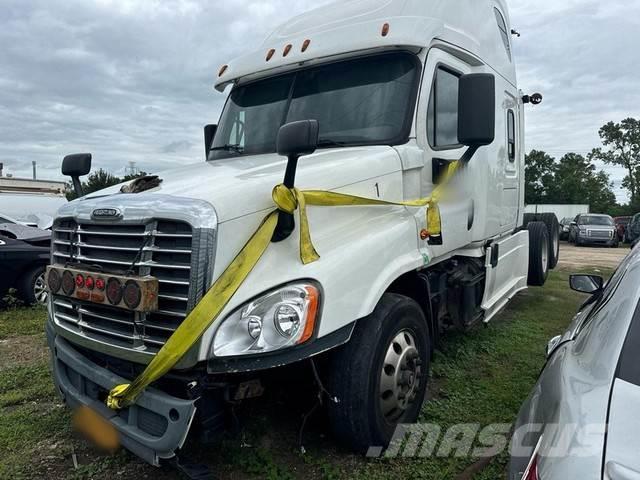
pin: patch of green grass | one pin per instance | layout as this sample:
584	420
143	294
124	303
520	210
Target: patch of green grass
22	321
22	430
26	384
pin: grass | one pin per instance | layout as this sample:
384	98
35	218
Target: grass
479	377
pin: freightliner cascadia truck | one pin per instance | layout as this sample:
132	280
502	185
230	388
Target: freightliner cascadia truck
362	194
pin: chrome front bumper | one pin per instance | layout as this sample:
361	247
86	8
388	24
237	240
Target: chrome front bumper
153	428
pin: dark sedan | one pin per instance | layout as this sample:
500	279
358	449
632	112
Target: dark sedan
22	265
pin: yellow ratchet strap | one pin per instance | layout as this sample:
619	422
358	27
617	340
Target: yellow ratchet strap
208	309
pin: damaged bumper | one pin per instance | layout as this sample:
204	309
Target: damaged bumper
153	428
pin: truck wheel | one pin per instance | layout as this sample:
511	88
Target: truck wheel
528	218
553	229
380	376
538	254
32	287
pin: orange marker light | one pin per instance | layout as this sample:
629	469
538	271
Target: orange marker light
222	70
287	49
311	314
385	29
270	54
424	234
305	45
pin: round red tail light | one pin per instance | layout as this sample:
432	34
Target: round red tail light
132	294
54	281
68	282
100	284
89	283
79	281
114	291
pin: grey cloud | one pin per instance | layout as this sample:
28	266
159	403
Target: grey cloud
132	80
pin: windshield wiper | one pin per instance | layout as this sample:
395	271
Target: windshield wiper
230	148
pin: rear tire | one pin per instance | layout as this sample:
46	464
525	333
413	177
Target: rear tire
380	376
32	287
538	254
553	229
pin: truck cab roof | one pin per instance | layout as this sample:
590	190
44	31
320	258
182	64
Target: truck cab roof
342	29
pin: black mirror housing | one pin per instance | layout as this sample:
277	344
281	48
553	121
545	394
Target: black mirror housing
298	138
477	109
76	165
590	284
209	135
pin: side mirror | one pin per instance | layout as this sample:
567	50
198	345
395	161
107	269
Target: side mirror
209	135
552	345
477	110
76	166
573	224
295	139
590	284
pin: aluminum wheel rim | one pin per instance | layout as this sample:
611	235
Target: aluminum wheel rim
400	377
40	289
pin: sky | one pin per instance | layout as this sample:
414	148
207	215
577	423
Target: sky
132	80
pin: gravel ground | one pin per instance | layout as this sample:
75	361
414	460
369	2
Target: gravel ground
581	257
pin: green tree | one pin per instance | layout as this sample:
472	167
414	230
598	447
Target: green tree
622	147
129	176
576	181
96	181
539	169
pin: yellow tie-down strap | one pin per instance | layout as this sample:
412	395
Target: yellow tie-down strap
221	292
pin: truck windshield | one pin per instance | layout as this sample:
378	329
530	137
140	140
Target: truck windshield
366	101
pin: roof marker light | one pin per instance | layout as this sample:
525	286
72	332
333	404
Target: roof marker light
222	70
385	29
287	49
305	45
270	54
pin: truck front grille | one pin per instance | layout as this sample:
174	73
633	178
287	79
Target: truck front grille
160	248
599	234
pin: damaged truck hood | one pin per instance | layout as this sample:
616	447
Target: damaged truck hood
240	186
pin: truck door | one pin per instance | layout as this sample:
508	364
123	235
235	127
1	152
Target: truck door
511	160
437	137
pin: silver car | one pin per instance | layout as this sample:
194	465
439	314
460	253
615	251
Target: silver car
593	229
582	419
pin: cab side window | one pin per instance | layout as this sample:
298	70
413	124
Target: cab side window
442	121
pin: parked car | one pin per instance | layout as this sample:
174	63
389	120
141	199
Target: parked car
632	232
582	416
565	227
34	210
621	226
593	229
24	255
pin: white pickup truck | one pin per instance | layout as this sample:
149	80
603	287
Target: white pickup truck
378	98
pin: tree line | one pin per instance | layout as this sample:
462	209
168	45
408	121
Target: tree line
98	180
575	178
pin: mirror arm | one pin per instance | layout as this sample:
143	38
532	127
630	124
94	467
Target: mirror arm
468	154
77	186
286	223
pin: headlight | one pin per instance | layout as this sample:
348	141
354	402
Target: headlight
279	319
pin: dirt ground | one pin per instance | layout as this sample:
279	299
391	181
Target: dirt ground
584	257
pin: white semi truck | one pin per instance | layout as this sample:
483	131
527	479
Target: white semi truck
376	99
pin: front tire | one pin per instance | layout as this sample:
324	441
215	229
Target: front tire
380	376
